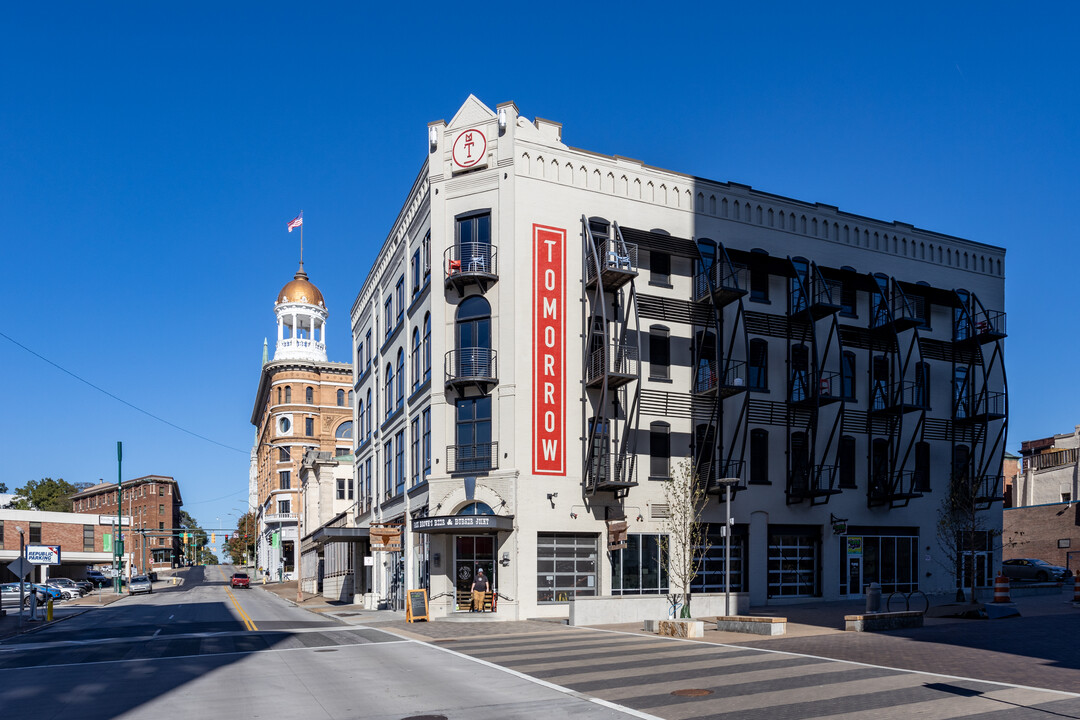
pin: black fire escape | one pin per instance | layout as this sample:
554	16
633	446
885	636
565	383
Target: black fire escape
899	393
719	398
980	410
612	362
815	412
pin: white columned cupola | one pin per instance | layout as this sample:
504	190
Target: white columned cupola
301	319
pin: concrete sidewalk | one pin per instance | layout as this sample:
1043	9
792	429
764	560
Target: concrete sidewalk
346	612
10	624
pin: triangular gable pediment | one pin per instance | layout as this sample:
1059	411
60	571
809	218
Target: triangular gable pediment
473	112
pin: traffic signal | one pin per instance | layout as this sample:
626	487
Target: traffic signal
226	538
213	538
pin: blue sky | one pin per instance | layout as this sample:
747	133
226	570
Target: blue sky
151	154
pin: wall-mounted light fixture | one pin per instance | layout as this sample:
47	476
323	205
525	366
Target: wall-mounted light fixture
505	559
551	499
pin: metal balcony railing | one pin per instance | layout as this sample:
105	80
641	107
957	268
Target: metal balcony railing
732	379
612	257
471	262
478	457
805	387
618	359
902	396
979	407
902	311
724	280
471	365
820	298
711	472
612	470
983	326
813	481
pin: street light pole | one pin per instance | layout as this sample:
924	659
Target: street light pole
22	578
727	483
119	516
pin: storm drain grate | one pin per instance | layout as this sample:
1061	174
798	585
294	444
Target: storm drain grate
692	692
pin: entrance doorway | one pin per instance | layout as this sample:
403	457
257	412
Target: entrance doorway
854	575
471	554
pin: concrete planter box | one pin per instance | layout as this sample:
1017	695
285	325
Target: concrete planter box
752	625
676	628
610	610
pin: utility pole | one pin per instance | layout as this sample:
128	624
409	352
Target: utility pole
118	541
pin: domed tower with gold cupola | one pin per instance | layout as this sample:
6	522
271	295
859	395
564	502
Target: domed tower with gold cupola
301	320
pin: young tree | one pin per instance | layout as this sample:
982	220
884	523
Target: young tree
684	546
45	494
959	525
199	541
242	542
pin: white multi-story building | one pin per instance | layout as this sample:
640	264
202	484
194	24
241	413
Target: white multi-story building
548	334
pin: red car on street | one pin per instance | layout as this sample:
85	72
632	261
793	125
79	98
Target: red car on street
240	580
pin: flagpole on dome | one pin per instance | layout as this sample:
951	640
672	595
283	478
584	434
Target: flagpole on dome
298	222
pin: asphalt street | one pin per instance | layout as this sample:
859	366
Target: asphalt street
208	651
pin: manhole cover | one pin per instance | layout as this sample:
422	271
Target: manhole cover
692	692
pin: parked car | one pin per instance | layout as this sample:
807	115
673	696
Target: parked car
9	595
68	585
1032	569
44	592
66	592
140	583
240	580
98	579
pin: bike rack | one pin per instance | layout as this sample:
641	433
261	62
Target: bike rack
907	601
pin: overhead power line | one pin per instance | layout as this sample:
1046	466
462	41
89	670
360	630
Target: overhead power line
120	399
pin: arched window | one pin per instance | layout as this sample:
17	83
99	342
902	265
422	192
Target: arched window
279	396
341	398
759	364
344	431
388	390
427	347
288	394
659	450
705	376
759	456
370	412
309	396
845	458
474	337
360	410
922	466
415	358
476	508
847	375
659	352
351	398
800	373
400	377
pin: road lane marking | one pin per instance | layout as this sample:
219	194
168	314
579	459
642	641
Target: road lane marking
248	622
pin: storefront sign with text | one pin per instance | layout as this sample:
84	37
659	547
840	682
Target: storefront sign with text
549	350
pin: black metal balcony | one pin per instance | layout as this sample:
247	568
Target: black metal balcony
479	457
979	408
805	389
894	489
901	312
989	489
710	473
617	261
980	328
898	398
816	483
471	367
818	299
724	282
615	364
730	382
470	263
611	471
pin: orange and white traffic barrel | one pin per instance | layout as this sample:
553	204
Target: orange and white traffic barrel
1001	589
1076	588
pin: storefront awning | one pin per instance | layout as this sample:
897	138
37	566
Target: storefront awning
326	535
464	524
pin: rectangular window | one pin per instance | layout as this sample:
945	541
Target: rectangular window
414	456
566	567
161	526
846	461
342	451
849	298
659	450
399	299
660	264
367	479
659	353
341	488
367	341
388	315
922	467
350	489
759	285
388	468
759	456
474	448
161	509
711	577
399	460
284	507
639	568
427	442
416	272
309	426
1	534
759	365
284	480
284	454
88	538
847	376
473	234
426	246
35	532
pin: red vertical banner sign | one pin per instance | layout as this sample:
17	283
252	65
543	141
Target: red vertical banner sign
549	350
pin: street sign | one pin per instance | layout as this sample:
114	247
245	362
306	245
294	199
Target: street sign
20	567
43	554
111	520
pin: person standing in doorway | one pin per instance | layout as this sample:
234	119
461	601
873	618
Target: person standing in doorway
479	589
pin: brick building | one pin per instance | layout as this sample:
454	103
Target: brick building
1046	532
153	502
81	538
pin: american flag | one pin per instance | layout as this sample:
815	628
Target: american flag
296	221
